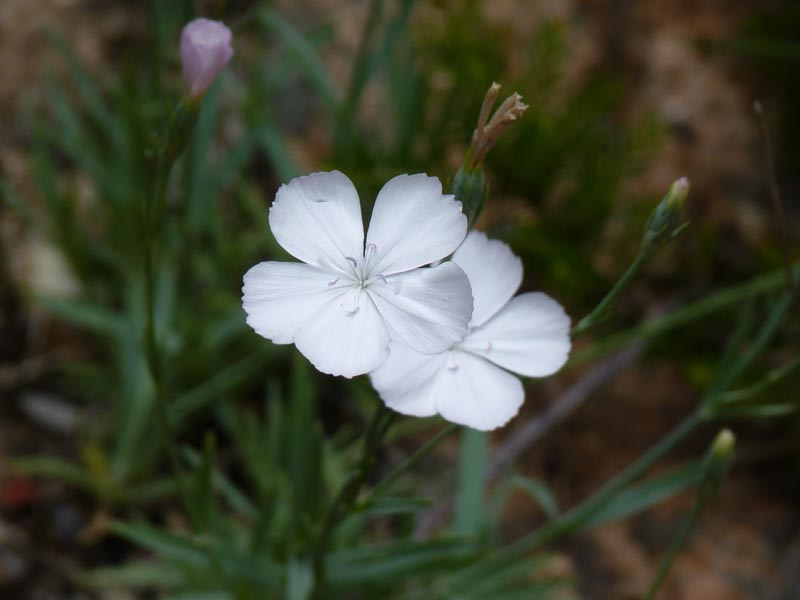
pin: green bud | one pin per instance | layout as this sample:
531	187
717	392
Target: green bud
471	189
666	221
718	461
722	447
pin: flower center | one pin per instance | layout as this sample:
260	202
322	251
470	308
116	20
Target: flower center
361	278
362	267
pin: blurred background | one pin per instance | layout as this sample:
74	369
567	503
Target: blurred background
625	97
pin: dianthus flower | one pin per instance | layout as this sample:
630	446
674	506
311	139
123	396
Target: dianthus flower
347	301
473	382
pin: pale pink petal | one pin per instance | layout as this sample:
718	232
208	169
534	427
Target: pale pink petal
529	336
494	272
317	219
428	309
413	224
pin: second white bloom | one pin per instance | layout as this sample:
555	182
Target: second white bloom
473	383
350	298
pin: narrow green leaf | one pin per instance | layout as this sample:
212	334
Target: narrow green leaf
539	492
638	498
135	574
306	57
86	315
394	562
299	580
470	515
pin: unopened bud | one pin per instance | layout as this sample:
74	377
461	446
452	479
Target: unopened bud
205	50
722	447
471	189
666	221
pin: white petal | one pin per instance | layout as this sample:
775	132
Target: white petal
413	224
317	219
494	271
406	380
529	336
428	309
279	296
347	336
471	391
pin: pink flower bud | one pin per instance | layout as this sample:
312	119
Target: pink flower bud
205	50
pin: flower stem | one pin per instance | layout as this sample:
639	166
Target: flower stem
601	310
410	462
707	305
153	212
584	511
345	499
717	464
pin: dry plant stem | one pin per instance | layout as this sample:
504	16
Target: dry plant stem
775	197
347	496
536	429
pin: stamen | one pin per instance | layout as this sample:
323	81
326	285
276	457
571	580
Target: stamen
398	286
319	200
352	313
352	261
488	346
370	247
334	282
452	368
382	278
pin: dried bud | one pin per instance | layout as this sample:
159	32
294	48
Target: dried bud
486	133
205	50
666	221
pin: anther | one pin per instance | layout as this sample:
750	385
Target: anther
371	247
352	313
352	261
382	278
319	200
488	346
334	282
452	368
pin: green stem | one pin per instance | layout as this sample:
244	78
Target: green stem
409	463
346	498
676	547
717	464
710	304
583	512
601	310
154	209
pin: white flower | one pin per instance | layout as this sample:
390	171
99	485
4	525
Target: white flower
342	307
470	383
